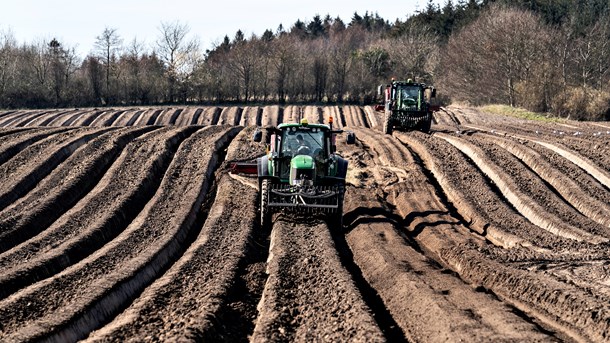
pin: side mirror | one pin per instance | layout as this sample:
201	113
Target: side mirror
258	136
379	90
351	138
433	94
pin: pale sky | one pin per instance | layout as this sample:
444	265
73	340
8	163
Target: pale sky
76	23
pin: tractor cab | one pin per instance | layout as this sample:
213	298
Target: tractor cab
407	105
300	146
301	171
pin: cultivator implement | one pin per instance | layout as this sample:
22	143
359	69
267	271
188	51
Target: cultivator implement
306	199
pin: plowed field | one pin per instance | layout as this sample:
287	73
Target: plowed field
124	225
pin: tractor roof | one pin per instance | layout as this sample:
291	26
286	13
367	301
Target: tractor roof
408	83
303	125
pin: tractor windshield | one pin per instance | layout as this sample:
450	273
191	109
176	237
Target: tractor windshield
408	98
299	141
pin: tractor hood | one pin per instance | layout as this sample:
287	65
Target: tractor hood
302	162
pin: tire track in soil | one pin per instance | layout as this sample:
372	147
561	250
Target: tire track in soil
528	193
216	295
69	305
567	309
426	301
22	172
567	186
309	295
56	194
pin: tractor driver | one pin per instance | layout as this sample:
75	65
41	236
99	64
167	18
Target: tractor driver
303	146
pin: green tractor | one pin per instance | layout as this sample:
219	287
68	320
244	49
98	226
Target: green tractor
407	106
301	173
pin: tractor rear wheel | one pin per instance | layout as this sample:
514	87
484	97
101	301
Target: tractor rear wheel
265	212
387	123
425	125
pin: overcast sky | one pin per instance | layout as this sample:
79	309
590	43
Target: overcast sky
76	23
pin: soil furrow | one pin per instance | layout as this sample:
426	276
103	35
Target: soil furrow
598	211
6	132
292	114
578	153
59	120
230	116
129	120
473	197
210	116
190	297
23	119
250	116
129	183
224	242
313	114
152	118
109	119
51	198
76	117
272	115
309	296
46	119
87	118
428	303
11	145
531	293
22	172
71	304
333	111
373	117
527	200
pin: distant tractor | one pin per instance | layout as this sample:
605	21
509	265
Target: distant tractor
407	106
301	173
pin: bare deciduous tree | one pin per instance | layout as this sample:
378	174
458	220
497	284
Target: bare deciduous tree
108	45
179	55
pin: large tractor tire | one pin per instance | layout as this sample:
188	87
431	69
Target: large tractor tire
387	123
265	212
424	126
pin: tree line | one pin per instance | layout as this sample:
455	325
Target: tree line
549	56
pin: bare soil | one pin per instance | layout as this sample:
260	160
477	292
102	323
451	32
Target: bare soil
123	224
